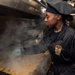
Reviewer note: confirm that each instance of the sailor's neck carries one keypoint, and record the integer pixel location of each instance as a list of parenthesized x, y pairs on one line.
[(58, 27)]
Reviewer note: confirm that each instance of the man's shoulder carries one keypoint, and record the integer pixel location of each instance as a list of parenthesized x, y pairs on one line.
[(70, 31)]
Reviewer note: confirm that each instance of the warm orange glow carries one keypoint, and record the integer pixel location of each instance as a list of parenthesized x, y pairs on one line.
[(25, 65)]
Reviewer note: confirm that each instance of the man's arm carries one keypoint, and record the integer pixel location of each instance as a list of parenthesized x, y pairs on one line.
[(38, 48)]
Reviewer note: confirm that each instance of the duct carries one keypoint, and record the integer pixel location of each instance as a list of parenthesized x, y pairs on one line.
[(20, 8)]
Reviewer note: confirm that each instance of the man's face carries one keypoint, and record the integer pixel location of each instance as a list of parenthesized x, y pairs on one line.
[(51, 19)]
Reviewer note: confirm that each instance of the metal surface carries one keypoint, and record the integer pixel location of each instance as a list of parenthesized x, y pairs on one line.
[(20, 8)]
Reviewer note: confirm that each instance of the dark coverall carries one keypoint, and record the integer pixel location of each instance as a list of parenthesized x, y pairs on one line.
[(64, 64)]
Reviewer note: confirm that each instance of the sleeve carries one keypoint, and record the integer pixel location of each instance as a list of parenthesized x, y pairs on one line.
[(68, 54), (72, 50), (39, 48)]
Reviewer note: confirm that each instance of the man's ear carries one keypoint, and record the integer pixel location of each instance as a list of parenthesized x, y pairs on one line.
[(58, 16)]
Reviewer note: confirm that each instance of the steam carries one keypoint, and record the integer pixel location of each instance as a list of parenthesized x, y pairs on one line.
[(17, 34)]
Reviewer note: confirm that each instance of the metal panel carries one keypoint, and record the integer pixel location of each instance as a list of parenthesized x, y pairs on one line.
[(20, 8)]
